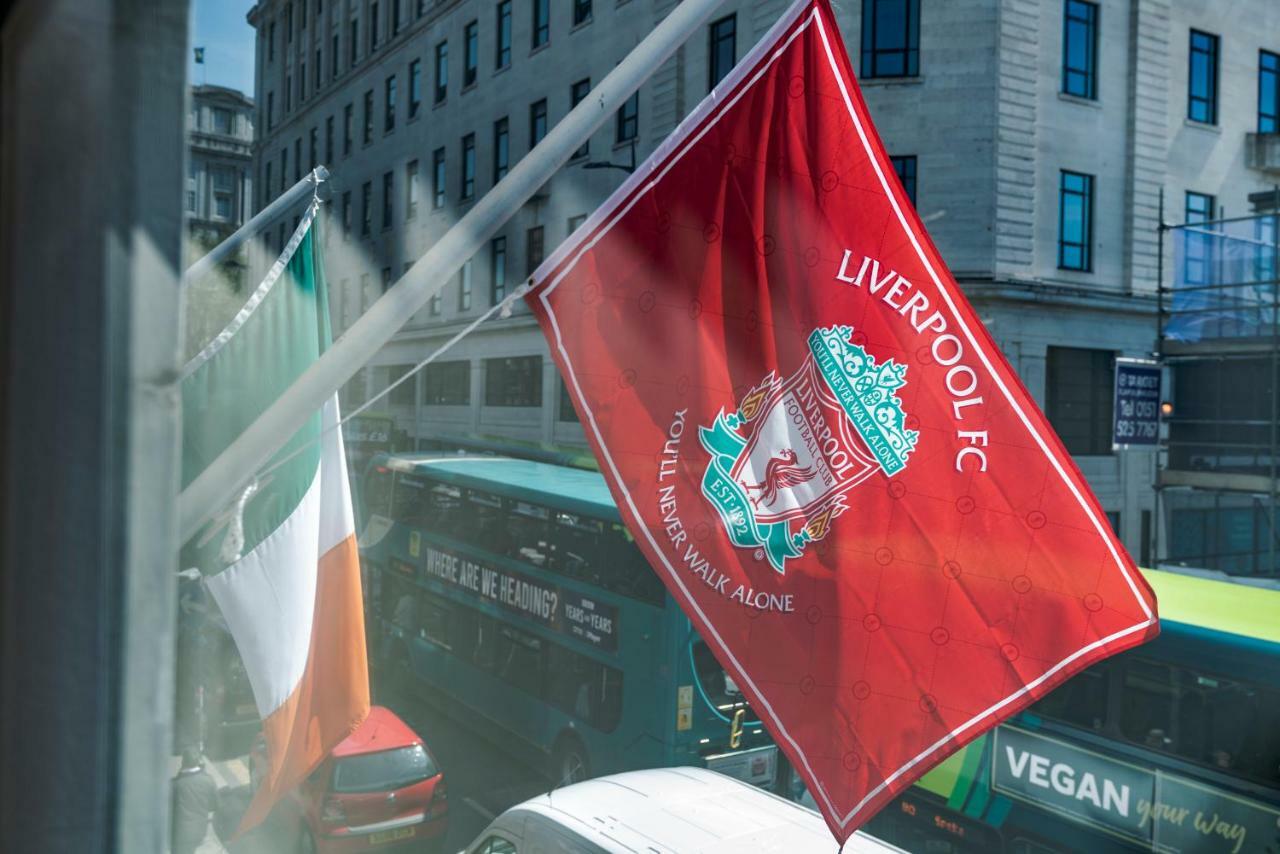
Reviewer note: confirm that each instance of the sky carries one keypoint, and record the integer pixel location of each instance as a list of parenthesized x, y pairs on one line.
[(219, 26)]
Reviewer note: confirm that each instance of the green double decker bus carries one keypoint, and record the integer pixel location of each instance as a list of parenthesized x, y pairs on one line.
[(513, 591)]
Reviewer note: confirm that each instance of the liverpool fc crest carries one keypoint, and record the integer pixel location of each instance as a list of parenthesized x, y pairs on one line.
[(782, 464)]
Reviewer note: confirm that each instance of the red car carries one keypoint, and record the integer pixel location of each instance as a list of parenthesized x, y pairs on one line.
[(380, 789)]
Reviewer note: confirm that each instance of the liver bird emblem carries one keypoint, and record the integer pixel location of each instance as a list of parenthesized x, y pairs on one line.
[(779, 473)]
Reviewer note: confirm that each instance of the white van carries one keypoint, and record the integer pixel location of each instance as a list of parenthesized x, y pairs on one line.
[(663, 811)]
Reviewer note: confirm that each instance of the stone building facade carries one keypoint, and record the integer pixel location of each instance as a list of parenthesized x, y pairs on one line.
[(1038, 138)]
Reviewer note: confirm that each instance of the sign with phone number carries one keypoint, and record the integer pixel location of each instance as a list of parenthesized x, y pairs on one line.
[(581, 617), (1137, 404)]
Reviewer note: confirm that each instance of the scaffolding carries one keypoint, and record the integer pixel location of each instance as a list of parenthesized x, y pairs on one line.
[(1219, 340)]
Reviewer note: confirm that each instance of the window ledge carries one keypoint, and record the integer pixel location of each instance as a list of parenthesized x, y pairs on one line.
[(1079, 100), (1204, 126), (470, 87), (873, 82), (502, 69), (540, 48), (581, 26)]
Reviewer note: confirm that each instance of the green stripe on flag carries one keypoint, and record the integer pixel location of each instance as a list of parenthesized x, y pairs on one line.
[(225, 394)]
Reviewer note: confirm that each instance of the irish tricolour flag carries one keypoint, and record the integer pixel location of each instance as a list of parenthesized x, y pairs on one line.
[(282, 561)]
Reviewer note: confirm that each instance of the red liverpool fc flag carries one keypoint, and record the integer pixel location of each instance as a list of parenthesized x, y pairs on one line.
[(816, 443)]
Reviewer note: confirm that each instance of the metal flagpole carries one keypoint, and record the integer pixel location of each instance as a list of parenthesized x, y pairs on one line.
[(290, 197), (218, 484)]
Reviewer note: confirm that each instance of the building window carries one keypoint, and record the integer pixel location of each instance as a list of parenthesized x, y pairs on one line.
[(284, 166), (354, 44), (346, 215), (389, 105), (433, 305), (497, 270), (581, 11), (319, 71), (567, 413), (333, 57), (302, 82), (388, 184), (437, 178), (328, 140), (502, 36), (537, 122), (464, 287), (415, 87), (288, 93), (533, 249), (1268, 92), (366, 208), (905, 166), (1202, 79), (541, 22), (575, 222), (373, 27), (288, 23), (890, 38), (297, 159), (405, 394), (191, 201), (223, 121), (271, 110), (722, 49), (302, 8), (348, 119), (468, 167), (271, 42), (1198, 245), (1080, 49), (501, 149), (442, 71), (447, 384), (513, 381), (313, 146), (1078, 398), (470, 53), (386, 279), (367, 137), (411, 190), (577, 92), (628, 122), (1075, 221), (266, 186), (395, 17)]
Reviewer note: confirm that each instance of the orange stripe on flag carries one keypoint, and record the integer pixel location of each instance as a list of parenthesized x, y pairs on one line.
[(332, 698)]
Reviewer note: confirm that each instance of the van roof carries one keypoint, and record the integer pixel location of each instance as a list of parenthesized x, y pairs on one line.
[(689, 810)]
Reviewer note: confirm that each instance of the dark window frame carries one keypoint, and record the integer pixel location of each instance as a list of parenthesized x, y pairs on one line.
[(721, 31), (1080, 82), (1203, 109), (1268, 114), (907, 57), (1079, 398), (1085, 245)]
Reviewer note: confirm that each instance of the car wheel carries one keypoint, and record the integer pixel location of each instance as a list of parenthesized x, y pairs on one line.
[(569, 763)]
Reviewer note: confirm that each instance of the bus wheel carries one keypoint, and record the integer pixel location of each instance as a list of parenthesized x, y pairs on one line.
[(569, 762)]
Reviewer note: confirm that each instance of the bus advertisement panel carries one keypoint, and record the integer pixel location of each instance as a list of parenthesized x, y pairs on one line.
[(513, 590)]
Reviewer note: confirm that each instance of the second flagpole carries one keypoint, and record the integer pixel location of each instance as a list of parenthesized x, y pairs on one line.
[(218, 484)]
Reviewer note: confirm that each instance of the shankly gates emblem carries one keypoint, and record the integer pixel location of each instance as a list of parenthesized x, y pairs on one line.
[(782, 464), (816, 444)]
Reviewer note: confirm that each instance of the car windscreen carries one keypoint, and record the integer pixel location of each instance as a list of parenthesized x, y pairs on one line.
[(389, 769)]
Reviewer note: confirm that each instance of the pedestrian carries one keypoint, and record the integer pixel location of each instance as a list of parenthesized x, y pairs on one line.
[(195, 797)]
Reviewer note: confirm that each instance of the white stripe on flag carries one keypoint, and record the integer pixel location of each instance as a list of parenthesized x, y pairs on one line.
[(268, 599)]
